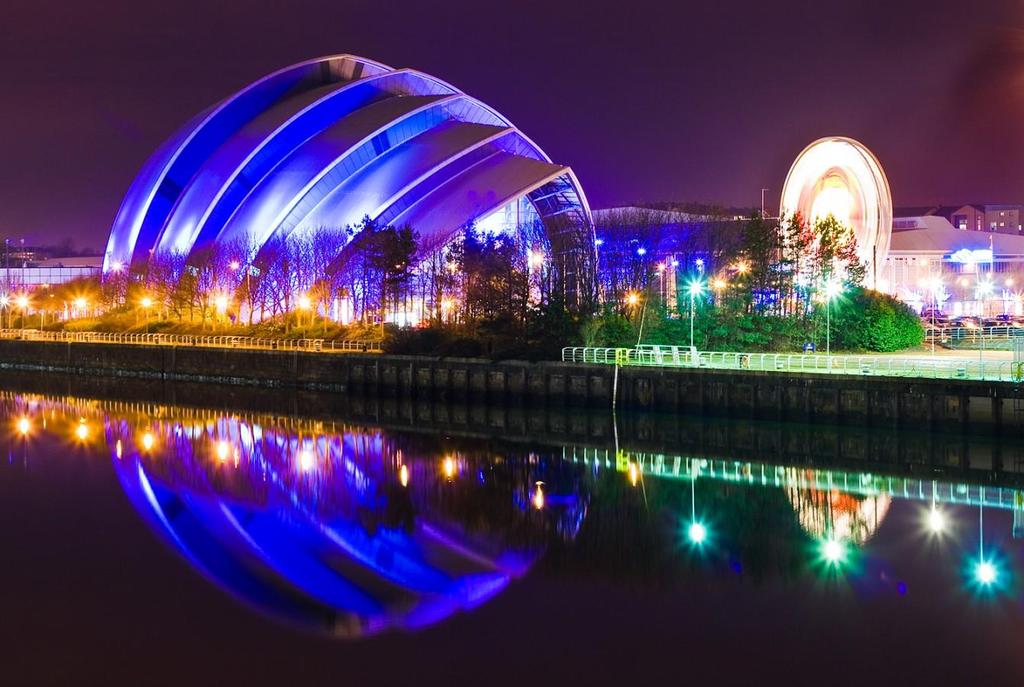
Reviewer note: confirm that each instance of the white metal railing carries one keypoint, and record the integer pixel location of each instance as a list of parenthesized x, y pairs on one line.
[(212, 341), (888, 366), (973, 334)]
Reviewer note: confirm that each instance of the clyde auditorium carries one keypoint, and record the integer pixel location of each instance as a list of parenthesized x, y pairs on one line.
[(327, 142)]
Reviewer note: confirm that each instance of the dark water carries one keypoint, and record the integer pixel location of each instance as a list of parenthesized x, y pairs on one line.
[(150, 536)]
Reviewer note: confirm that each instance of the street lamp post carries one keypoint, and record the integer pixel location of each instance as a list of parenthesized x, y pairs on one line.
[(936, 286), (22, 302), (147, 303), (832, 289), (695, 289)]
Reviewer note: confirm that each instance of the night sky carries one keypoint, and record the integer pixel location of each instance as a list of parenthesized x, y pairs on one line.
[(659, 101)]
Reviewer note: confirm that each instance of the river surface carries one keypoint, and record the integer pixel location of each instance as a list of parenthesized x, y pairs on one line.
[(152, 536)]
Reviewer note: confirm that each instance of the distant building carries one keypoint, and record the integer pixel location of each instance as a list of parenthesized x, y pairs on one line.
[(997, 218), (51, 272), (931, 263)]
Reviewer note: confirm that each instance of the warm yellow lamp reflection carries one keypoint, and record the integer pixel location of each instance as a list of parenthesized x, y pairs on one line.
[(538, 496), (223, 450), (634, 474), (448, 466), (307, 460)]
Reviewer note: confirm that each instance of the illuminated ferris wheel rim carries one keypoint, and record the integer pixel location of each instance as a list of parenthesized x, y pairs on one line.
[(833, 158)]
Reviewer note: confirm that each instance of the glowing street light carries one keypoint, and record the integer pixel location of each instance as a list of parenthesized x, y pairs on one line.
[(697, 533), (305, 304), (536, 259), (82, 430), (538, 496), (403, 475), (448, 307), (307, 460), (632, 298), (148, 441), (24, 426), (80, 303), (220, 301), (234, 266), (146, 302)]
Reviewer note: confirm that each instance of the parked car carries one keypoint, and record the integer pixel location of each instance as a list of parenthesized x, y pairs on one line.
[(965, 322)]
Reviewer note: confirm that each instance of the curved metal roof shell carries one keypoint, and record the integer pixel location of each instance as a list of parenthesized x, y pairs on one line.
[(324, 143)]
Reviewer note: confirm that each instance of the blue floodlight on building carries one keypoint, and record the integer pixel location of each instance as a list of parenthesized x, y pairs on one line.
[(327, 142)]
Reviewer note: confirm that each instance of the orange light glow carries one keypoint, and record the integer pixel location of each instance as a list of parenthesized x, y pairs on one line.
[(538, 496), (449, 467)]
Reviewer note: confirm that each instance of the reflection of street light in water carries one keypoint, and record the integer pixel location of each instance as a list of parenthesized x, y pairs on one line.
[(936, 518), (403, 475), (307, 460), (697, 532), (538, 496), (448, 467), (223, 450), (985, 571), (833, 551)]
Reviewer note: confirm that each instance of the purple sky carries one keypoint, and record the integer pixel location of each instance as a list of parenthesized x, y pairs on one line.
[(647, 101)]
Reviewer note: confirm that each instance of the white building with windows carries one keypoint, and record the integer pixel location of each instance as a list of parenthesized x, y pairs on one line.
[(931, 263)]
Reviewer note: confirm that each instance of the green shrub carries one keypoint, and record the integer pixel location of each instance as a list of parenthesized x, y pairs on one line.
[(865, 320)]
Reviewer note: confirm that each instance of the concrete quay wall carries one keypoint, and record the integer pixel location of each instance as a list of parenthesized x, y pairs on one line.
[(923, 404)]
